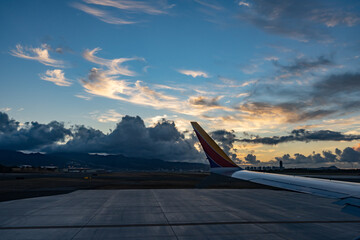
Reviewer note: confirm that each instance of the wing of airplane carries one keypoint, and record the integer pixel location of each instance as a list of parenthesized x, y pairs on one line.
[(347, 194)]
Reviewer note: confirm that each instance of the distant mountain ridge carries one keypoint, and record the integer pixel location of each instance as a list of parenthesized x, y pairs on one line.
[(110, 162)]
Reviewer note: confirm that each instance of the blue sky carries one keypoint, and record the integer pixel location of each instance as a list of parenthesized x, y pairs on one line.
[(260, 67)]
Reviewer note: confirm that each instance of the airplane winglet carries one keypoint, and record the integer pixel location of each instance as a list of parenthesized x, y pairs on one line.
[(215, 155)]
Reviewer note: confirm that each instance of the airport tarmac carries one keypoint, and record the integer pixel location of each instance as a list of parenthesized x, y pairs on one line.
[(177, 214)]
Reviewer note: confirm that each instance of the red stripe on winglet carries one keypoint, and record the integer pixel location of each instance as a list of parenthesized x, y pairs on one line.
[(214, 155)]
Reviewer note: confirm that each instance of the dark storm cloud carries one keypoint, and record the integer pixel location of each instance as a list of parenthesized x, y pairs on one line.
[(225, 140), (83, 139), (302, 135), (308, 20), (130, 137), (304, 65), (348, 155), (133, 139), (33, 135), (251, 159), (165, 131), (7, 125)]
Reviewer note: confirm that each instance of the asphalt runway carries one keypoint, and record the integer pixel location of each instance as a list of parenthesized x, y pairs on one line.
[(177, 214)]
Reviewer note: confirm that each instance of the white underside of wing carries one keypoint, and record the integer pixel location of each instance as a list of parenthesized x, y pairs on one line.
[(320, 187), (347, 193)]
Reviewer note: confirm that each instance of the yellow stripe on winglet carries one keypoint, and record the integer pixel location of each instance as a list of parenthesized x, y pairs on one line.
[(211, 142)]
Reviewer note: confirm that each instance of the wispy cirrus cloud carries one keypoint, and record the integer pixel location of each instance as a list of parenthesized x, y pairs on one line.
[(162, 86), (205, 101), (5, 109), (101, 14), (334, 17), (83, 97), (114, 66), (56, 76), (124, 7), (243, 3), (194, 73), (204, 104), (251, 68), (210, 4), (101, 84), (108, 82), (149, 7), (288, 112), (303, 65), (232, 83), (40, 54), (109, 116)]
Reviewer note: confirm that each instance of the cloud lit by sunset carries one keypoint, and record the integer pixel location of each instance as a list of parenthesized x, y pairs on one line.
[(269, 80)]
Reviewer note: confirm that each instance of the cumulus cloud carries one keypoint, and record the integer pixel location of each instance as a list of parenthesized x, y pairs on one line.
[(163, 141), (56, 76), (40, 54), (226, 140), (193, 73), (31, 136), (251, 159), (7, 125), (130, 137), (357, 148), (348, 155)]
